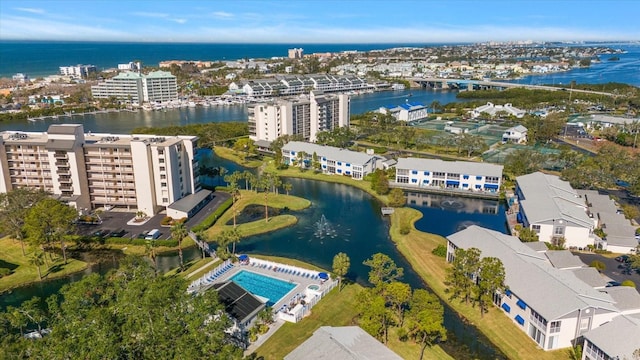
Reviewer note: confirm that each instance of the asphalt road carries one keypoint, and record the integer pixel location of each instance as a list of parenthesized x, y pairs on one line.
[(116, 220), (612, 270)]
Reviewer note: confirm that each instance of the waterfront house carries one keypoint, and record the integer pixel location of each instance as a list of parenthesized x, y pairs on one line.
[(435, 173), (552, 305), (332, 160), (554, 210), (516, 135)]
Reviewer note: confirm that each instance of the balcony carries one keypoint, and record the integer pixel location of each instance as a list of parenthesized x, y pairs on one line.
[(61, 156)]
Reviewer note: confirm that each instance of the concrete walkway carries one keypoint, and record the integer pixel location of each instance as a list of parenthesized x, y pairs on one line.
[(262, 338)]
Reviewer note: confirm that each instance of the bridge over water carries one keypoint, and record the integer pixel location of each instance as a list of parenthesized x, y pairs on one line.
[(467, 84)]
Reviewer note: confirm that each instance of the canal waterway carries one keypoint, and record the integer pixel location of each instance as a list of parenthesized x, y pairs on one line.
[(125, 121)]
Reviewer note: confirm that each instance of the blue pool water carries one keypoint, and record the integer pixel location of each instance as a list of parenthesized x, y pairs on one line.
[(261, 285)]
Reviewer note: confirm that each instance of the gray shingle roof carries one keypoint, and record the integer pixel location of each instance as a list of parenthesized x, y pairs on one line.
[(341, 343), (620, 337), (619, 230), (590, 276), (562, 259), (330, 152), (190, 201), (460, 167), (626, 297), (527, 272), (546, 198)]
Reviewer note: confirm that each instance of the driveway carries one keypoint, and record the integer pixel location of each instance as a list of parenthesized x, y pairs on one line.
[(612, 270), (116, 220)]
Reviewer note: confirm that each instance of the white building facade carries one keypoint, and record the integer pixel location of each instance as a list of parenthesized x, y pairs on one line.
[(332, 160), (301, 116), (78, 71), (516, 134), (554, 210), (465, 175), (406, 112), (553, 306), (136, 88), (135, 172)]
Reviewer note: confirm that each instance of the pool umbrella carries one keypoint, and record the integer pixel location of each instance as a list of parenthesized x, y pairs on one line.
[(323, 276), (243, 257)]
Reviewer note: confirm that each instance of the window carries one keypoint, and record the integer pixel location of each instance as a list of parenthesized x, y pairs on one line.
[(414, 172), (558, 230), (163, 177), (160, 152), (165, 200), (536, 228), (465, 177), (555, 327), (162, 168), (522, 304), (553, 341), (164, 184), (478, 177), (161, 161), (339, 163), (536, 335), (506, 307), (403, 179), (584, 323), (426, 173)]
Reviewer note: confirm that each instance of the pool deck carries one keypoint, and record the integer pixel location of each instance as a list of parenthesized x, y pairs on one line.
[(272, 269)]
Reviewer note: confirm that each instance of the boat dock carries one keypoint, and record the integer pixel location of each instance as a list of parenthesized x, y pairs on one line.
[(71, 114), (387, 210)]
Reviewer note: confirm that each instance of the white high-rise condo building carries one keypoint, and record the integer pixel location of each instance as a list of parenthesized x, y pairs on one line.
[(301, 116), (136, 172), (78, 71), (136, 88)]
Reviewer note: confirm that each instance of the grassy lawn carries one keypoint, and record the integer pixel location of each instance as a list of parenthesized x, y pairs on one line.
[(279, 201), (230, 154), (195, 268), (25, 273), (129, 249), (499, 329), (335, 309)]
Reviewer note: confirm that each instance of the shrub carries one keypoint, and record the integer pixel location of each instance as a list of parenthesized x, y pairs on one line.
[(167, 220), (115, 240), (4, 272), (628, 283), (405, 228), (167, 243), (598, 265), (211, 219), (440, 251)]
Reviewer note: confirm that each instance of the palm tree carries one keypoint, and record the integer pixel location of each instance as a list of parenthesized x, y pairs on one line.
[(341, 264), (150, 251), (178, 232), (264, 184), (232, 181), (234, 236), (37, 260), (287, 187)]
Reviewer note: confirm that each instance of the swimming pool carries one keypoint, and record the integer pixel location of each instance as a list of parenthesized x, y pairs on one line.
[(264, 286)]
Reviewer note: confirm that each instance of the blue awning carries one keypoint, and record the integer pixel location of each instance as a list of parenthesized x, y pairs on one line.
[(519, 217), (506, 307), (491, 186), (508, 292), (521, 304), (453, 182), (519, 319)]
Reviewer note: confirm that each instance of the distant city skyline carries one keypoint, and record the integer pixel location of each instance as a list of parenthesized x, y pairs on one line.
[(328, 21)]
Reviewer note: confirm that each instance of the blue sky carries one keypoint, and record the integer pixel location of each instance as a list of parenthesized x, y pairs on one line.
[(327, 21)]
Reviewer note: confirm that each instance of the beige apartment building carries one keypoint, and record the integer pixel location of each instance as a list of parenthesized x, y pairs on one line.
[(134, 172), (304, 116)]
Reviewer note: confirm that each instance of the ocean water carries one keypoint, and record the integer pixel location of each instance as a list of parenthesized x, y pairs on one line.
[(38, 58)]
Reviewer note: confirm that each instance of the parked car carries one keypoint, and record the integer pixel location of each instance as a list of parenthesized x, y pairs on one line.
[(101, 233), (153, 234), (117, 233), (142, 235), (622, 258), (613, 283)]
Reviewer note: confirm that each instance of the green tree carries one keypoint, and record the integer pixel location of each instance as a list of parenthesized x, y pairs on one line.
[(315, 162), (374, 317), (14, 207), (490, 280), (425, 319), (132, 314), (397, 295), (234, 190), (379, 182), (598, 265), (37, 260), (49, 220), (523, 161), (287, 187), (396, 198), (179, 232), (461, 276), (527, 235), (383, 270), (341, 265), (629, 283), (471, 143)]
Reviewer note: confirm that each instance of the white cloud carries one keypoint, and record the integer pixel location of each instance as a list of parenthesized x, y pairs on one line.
[(179, 21), (31, 10), (222, 15), (150, 14), (25, 28)]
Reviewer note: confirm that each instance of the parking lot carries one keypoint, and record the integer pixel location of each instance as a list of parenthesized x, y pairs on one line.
[(118, 220), (612, 270)]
